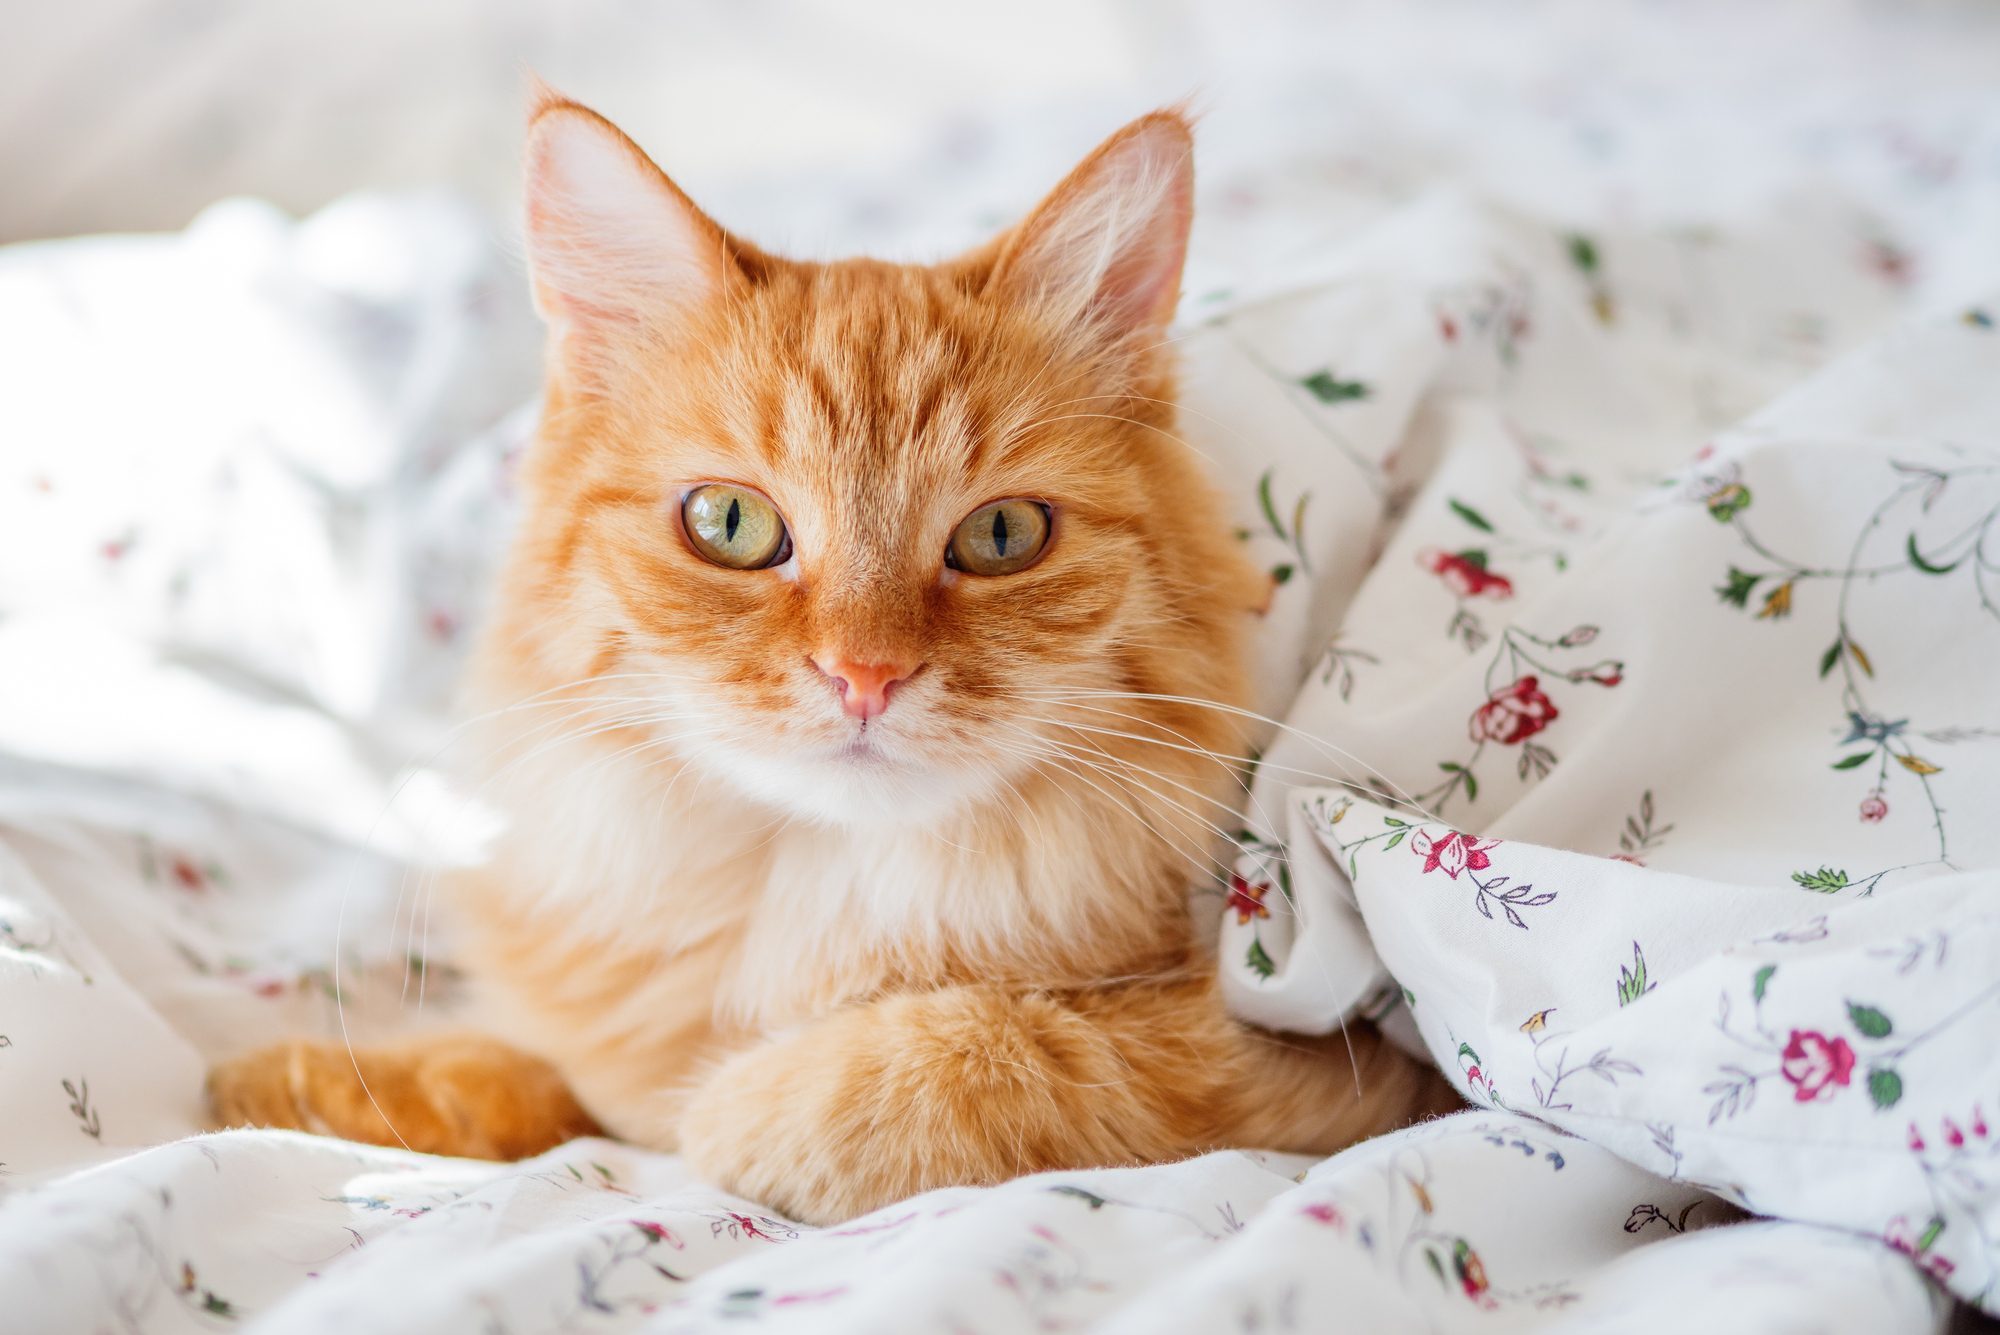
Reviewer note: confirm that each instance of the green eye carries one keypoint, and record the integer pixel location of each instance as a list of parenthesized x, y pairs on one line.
[(735, 527), (1000, 538)]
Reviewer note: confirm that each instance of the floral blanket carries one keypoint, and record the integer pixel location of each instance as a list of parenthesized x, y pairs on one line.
[(1653, 788), (1636, 558)]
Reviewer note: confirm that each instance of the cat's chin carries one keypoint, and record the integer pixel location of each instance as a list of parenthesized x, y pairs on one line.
[(859, 784)]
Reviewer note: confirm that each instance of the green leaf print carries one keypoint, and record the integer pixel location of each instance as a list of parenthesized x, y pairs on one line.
[(1329, 388), (1583, 252), (1259, 961), (1761, 981), (1885, 1087), (1269, 507), (1737, 591), (1632, 983), (1826, 880), (1869, 1020), (1860, 758), (1470, 515), (1917, 559)]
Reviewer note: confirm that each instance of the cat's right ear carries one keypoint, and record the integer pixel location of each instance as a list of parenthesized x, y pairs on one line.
[(613, 245)]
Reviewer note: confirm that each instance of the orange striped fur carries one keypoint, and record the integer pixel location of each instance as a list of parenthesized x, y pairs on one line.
[(832, 962)]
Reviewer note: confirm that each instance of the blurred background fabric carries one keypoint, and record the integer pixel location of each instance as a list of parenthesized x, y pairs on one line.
[(804, 121)]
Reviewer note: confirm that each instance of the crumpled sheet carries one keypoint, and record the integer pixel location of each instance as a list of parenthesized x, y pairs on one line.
[(1603, 547), (1653, 787)]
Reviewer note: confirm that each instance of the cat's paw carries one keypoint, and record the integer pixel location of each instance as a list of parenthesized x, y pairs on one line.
[(960, 1087), (264, 1088), (460, 1095), (765, 1129)]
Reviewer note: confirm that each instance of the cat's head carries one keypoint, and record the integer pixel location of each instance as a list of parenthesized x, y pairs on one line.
[(855, 536)]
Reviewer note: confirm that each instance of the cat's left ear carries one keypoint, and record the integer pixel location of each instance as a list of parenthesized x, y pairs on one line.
[(1104, 251)]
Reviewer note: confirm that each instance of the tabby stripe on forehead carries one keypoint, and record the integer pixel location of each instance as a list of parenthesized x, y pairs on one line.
[(1000, 532), (734, 518)]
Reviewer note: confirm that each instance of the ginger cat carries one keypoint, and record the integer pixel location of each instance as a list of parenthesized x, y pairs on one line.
[(862, 692)]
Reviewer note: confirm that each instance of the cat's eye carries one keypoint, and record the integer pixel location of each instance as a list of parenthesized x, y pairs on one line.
[(735, 527), (1000, 538)]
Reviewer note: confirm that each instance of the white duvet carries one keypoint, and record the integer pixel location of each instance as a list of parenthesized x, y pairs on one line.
[(1637, 638)]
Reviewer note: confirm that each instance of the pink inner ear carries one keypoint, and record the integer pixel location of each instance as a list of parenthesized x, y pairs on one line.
[(1139, 288), (609, 237), (1108, 246)]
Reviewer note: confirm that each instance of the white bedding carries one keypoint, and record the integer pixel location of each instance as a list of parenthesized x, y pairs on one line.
[(252, 475)]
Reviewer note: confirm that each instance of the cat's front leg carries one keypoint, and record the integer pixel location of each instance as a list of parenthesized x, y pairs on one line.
[(882, 1100), (975, 1085)]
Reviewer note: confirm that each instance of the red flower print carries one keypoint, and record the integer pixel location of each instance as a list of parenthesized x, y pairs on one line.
[(1471, 1272), (1608, 673), (656, 1232), (816, 1296), (1513, 714), (1454, 853), (1815, 1064), (1247, 899), (1326, 1212), (188, 875), (1917, 1247), (1891, 262), (1874, 807), (885, 1226), (1978, 1123), (1952, 1134), (749, 1226), (1465, 573)]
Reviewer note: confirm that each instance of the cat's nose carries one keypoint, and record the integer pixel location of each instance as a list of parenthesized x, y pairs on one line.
[(864, 687)]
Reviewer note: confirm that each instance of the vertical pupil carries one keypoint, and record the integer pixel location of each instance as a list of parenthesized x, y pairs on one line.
[(732, 520), (1000, 532)]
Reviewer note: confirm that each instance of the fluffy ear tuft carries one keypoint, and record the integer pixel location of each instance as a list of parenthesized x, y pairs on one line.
[(611, 241), (1105, 249)]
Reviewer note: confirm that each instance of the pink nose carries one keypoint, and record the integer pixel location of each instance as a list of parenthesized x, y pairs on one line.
[(864, 687)]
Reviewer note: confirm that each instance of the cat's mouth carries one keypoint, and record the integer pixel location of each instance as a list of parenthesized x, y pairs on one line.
[(859, 775), (861, 749)]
